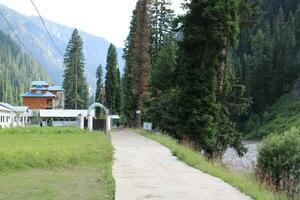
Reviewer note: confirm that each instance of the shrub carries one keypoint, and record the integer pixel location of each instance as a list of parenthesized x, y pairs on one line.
[(279, 161)]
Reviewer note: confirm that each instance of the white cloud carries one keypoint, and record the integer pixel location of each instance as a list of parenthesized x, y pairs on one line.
[(107, 18)]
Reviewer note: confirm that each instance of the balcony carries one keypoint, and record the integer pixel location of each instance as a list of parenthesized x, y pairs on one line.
[(49, 104)]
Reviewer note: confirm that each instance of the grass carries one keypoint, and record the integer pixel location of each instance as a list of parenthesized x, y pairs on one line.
[(55, 163), (246, 183), (280, 117)]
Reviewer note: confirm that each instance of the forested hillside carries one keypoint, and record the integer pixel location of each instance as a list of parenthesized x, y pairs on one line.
[(268, 57), (32, 32), (17, 70)]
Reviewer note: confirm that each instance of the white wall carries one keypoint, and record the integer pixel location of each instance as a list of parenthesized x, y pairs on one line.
[(5, 119), (9, 119)]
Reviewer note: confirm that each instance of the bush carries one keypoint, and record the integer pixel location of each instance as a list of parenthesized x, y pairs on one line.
[(279, 161)]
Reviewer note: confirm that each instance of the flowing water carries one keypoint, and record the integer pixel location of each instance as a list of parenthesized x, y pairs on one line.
[(247, 162)]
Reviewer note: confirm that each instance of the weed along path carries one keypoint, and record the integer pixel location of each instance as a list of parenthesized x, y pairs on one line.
[(144, 169)]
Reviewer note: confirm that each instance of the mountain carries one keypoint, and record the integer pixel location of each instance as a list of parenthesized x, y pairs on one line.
[(33, 34), (17, 70)]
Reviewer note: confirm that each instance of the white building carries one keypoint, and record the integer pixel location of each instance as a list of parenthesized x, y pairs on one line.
[(61, 117), (12, 116)]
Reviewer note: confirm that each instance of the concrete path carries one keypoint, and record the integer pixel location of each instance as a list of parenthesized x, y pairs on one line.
[(144, 169)]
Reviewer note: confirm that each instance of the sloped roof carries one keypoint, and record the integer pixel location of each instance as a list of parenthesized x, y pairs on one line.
[(64, 113), (36, 83), (55, 88), (38, 87), (30, 94), (17, 109), (2, 108)]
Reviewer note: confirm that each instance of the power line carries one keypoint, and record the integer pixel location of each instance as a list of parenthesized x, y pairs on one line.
[(17, 37), (47, 29)]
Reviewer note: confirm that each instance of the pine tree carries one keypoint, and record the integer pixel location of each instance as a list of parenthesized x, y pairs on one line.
[(111, 80), (74, 83), (140, 58), (100, 91), (203, 113), (161, 19), (297, 29), (128, 79), (119, 94), (163, 93)]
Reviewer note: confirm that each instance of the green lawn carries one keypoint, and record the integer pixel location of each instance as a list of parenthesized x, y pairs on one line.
[(246, 183), (55, 163)]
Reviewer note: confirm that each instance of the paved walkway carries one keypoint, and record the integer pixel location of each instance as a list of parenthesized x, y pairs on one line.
[(144, 169)]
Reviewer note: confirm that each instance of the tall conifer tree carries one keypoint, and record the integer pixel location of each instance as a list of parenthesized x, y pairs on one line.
[(128, 79), (111, 80), (100, 90), (74, 83), (161, 19), (203, 115), (141, 57), (119, 94)]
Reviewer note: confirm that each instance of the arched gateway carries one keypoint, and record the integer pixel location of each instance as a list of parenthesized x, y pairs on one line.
[(90, 117)]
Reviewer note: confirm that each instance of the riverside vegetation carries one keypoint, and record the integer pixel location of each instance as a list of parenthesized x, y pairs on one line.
[(55, 163)]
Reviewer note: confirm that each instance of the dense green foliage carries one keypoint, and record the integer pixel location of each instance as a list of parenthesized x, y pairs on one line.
[(245, 183), (267, 60), (200, 84), (138, 64), (281, 116), (112, 83), (163, 95), (204, 77), (52, 150), (161, 19), (100, 91), (119, 94), (279, 161), (128, 79), (17, 71), (74, 84)]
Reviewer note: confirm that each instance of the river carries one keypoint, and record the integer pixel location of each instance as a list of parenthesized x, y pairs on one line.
[(247, 162)]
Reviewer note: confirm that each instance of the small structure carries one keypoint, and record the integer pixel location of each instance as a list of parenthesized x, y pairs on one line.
[(12, 116), (115, 120), (44, 96), (90, 117)]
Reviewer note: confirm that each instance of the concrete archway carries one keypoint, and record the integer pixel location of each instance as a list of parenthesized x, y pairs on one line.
[(90, 117)]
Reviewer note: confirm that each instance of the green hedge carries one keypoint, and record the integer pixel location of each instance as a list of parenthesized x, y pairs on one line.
[(279, 161)]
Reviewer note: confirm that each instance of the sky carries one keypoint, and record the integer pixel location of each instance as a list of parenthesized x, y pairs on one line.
[(106, 18)]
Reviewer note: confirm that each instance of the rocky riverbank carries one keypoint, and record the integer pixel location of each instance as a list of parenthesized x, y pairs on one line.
[(247, 162)]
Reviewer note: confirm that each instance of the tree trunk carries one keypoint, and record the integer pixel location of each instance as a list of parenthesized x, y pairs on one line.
[(222, 68), (138, 119)]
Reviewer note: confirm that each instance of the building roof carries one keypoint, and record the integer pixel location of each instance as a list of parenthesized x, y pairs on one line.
[(64, 113), (36, 83), (4, 109), (38, 87), (18, 109), (30, 94), (55, 88)]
